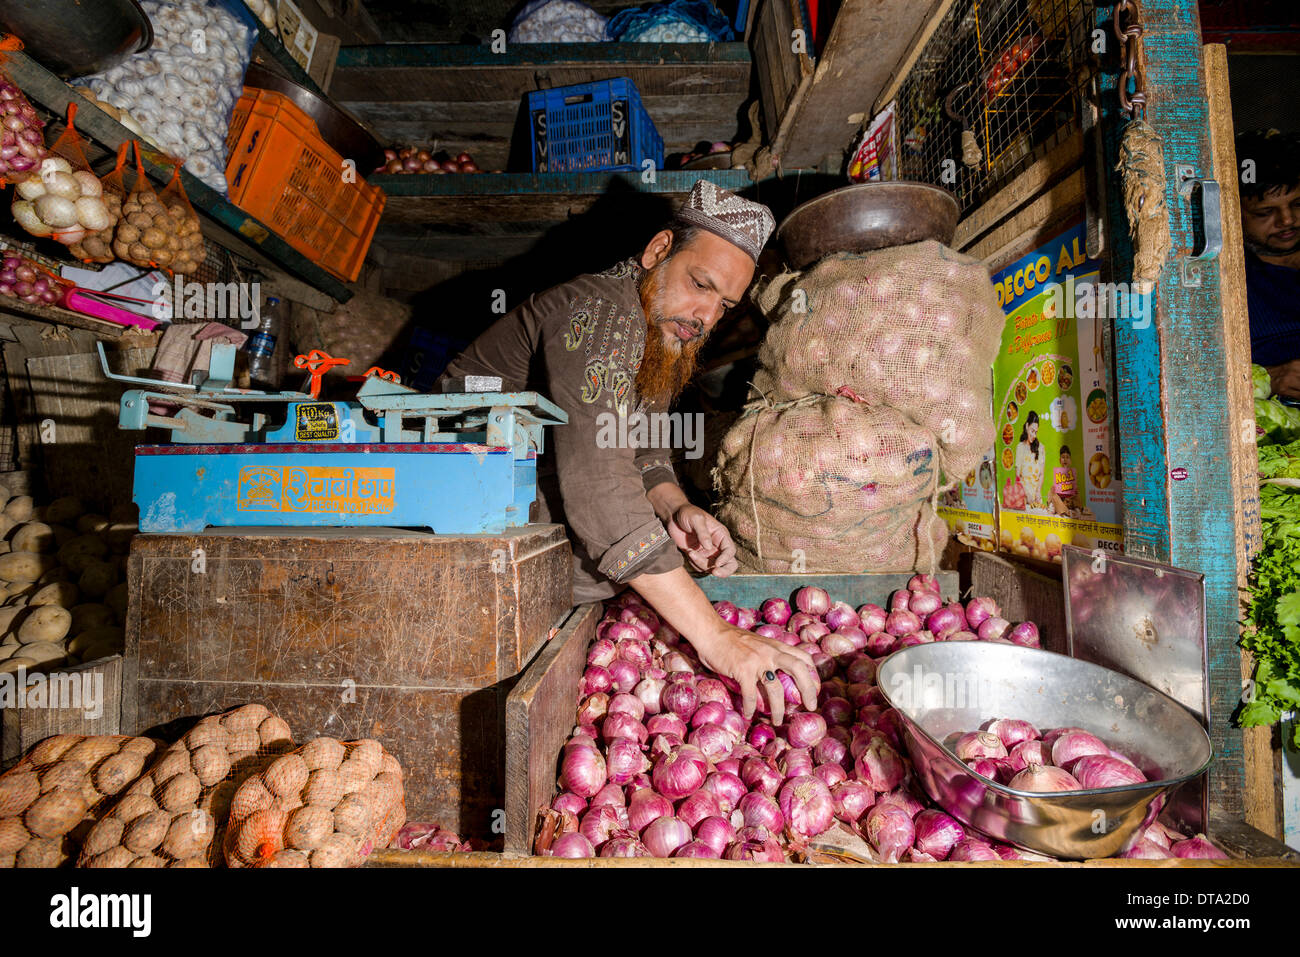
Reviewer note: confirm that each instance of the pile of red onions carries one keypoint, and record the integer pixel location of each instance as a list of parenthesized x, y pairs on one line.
[(428, 836), (1015, 753), (22, 142), (22, 280), (662, 764), (411, 159)]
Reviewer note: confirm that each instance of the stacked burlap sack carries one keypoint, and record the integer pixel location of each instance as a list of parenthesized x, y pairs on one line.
[(874, 386)]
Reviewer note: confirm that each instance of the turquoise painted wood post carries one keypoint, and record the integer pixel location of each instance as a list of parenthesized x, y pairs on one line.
[(1171, 376)]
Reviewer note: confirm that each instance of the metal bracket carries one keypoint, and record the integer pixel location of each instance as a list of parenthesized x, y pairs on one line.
[(1203, 194)]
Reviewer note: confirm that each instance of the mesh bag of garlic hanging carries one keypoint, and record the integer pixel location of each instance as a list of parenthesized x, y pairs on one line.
[(52, 798), (173, 814), (329, 804), (912, 328), (827, 484), (182, 89)]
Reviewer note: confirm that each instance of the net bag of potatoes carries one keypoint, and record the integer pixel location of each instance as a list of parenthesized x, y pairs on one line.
[(189, 257), (826, 484), (173, 815), (62, 198), (146, 235), (913, 328), (52, 798), (329, 804)]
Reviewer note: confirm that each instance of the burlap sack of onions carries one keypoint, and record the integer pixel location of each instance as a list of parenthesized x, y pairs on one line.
[(172, 816), (328, 804), (51, 799)]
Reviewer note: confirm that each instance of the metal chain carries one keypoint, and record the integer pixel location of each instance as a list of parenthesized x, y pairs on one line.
[(1128, 29)]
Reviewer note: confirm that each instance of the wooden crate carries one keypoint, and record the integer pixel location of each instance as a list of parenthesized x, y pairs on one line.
[(410, 638), (20, 728)]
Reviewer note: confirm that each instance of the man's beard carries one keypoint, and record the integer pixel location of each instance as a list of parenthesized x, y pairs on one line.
[(665, 368), (1267, 249)]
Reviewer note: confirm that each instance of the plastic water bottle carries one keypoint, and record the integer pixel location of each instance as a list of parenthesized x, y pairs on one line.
[(268, 349)]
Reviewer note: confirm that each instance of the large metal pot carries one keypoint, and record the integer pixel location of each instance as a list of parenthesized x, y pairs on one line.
[(348, 136), (77, 37)]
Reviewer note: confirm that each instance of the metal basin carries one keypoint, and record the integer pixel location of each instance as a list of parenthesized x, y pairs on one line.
[(867, 216), (947, 687), (337, 128), (76, 38)]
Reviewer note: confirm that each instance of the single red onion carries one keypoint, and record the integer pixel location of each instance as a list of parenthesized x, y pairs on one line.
[(623, 725), (937, 833), (600, 822), (890, 724), (1024, 634), (760, 734), (713, 740), (680, 773), (824, 663), (799, 620), (1147, 851), (761, 776), (1012, 731), (649, 692), (678, 663), (1157, 833), (734, 722), (1121, 757), (727, 788), (583, 771), (901, 623), (726, 611), (837, 711), (619, 632), (746, 618), (979, 744), (568, 801), (900, 600), (880, 643), (624, 675), (760, 810), (830, 773), (1197, 847), (1045, 779), (1076, 744), (852, 800), (830, 751), (709, 712), (924, 603), (593, 708), (921, 582), (611, 794), (840, 614), (680, 698), (861, 670), (584, 736), (696, 849), (716, 833), (790, 638), (863, 736), (768, 851), (572, 846), (596, 679), (1051, 734), (854, 634), (1103, 771), (957, 609), (880, 767), (991, 628), (625, 760), (791, 689), (695, 808), (731, 763), (943, 622), (646, 806), (665, 835), (973, 849), (813, 633), (624, 845), (795, 762), (872, 618), (962, 636), (985, 766), (774, 748), (904, 799), (812, 600), (637, 652), (890, 831), (665, 743), (978, 610), (912, 640), (667, 723), (770, 631), (913, 856), (601, 653), (807, 806), (775, 611), (624, 703), (804, 729)]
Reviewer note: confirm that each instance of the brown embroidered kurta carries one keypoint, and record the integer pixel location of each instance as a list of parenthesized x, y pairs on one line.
[(580, 344)]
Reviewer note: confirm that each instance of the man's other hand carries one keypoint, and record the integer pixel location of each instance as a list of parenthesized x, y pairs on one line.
[(705, 541)]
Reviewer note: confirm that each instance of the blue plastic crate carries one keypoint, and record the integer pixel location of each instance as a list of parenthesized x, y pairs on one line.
[(590, 127)]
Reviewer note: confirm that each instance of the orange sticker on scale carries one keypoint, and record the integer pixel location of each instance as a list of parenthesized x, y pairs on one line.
[(311, 488)]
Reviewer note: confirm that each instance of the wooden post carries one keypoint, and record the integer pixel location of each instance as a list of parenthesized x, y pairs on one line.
[(1178, 379)]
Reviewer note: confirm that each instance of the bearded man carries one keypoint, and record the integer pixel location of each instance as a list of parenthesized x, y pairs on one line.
[(1270, 222), (621, 343)]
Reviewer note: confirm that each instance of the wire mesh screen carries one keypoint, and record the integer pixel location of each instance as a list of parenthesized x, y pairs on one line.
[(996, 86)]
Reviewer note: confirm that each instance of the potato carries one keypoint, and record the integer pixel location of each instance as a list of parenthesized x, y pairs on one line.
[(24, 566), (63, 773), (189, 834), (390, 765), (287, 776), (13, 835), (14, 591), (11, 665), (8, 651), (64, 510), (110, 635), (337, 850), (8, 860), (307, 827), (19, 508), (207, 731), (141, 745), (91, 524), (133, 806), (175, 761), (117, 602), (55, 813), (46, 654), (323, 753), (117, 772), (97, 578), (105, 834), (190, 862), (245, 741), (245, 718), (146, 832), (89, 615), (33, 537), (388, 787), (259, 835), (77, 553), (274, 730), (148, 860), (181, 791), (352, 816), (354, 775), (218, 799), (54, 575), (113, 857), (251, 796), (287, 858), (51, 749), (324, 789), (46, 623), (41, 853), (211, 763), (93, 749)]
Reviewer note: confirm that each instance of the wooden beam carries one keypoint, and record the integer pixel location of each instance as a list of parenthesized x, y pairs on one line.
[(1033, 224), (909, 58)]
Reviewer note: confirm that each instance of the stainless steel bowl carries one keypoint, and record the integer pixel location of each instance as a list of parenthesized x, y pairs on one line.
[(946, 687), (73, 38)]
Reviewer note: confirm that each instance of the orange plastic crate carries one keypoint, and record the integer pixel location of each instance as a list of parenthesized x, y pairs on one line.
[(281, 171)]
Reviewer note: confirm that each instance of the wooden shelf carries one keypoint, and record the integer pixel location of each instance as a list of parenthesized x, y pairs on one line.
[(465, 97), (60, 316), (223, 222)]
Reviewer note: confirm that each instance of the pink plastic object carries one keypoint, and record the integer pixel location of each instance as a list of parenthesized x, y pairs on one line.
[(89, 306)]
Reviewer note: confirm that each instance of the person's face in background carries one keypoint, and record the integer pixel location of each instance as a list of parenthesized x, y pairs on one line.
[(1271, 222), (1065, 460), (1031, 430)]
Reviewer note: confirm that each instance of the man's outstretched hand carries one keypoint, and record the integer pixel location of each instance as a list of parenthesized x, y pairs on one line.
[(705, 541)]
